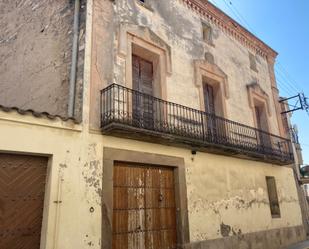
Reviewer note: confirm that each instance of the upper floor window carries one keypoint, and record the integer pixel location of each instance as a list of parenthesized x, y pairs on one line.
[(263, 137), (252, 60), (209, 98), (207, 33)]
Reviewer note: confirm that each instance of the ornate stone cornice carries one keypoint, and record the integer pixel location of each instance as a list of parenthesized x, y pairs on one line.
[(214, 15)]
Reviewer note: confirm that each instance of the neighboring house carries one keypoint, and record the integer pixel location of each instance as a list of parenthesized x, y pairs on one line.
[(168, 134)]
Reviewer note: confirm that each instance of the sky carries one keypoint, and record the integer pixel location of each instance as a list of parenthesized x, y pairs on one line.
[(284, 26)]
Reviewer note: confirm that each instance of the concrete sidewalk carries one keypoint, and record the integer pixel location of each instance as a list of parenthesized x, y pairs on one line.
[(302, 245)]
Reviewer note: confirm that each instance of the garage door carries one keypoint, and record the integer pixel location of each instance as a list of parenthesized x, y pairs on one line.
[(22, 185), (144, 211)]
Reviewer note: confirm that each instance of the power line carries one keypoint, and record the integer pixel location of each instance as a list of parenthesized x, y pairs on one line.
[(236, 13), (241, 17), (282, 82), (287, 81), (283, 88), (288, 75), (290, 82)]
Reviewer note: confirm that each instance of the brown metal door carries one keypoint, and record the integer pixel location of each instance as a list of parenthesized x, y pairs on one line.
[(143, 108), (22, 185), (144, 211)]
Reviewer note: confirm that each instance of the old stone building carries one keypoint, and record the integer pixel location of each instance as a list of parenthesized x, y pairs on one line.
[(140, 124)]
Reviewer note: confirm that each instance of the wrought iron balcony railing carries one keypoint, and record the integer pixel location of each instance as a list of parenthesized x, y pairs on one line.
[(129, 110)]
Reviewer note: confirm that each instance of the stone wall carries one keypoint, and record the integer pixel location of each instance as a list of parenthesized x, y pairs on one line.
[(35, 55)]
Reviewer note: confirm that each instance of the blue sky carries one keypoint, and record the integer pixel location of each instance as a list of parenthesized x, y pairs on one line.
[(284, 26)]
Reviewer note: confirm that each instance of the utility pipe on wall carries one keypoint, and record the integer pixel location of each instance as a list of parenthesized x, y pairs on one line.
[(72, 85)]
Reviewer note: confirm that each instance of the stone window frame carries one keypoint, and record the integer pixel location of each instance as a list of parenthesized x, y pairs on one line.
[(258, 97), (142, 42), (112, 155), (217, 79), (207, 33)]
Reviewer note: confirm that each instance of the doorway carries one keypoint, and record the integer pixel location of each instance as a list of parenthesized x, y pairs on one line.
[(144, 207), (142, 97)]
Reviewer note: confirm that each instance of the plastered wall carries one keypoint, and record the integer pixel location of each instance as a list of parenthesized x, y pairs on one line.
[(35, 55), (181, 29), (226, 196)]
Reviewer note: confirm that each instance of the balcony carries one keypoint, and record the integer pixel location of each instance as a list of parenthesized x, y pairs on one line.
[(132, 114)]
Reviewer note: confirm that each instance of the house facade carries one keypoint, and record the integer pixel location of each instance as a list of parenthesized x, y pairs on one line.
[(176, 139)]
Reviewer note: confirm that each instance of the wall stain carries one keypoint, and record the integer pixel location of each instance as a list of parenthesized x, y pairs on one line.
[(63, 165), (225, 230)]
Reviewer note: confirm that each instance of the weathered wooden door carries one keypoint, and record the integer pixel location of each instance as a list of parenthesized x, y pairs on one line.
[(262, 137), (22, 186), (143, 107), (144, 211)]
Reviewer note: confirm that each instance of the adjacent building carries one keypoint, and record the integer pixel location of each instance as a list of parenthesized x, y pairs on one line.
[(141, 125)]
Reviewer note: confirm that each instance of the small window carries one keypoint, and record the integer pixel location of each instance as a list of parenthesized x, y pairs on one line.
[(273, 197), (253, 65), (207, 33)]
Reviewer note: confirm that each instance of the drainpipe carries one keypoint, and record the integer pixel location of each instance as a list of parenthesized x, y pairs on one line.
[(74, 60)]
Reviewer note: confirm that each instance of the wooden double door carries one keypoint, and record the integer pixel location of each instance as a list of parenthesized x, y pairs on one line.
[(144, 210), (22, 187)]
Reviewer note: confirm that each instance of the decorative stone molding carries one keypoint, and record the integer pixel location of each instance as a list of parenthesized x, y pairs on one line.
[(203, 67), (275, 96), (256, 93), (143, 42), (145, 34), (112, 155), (214, 76), (214, 15)]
